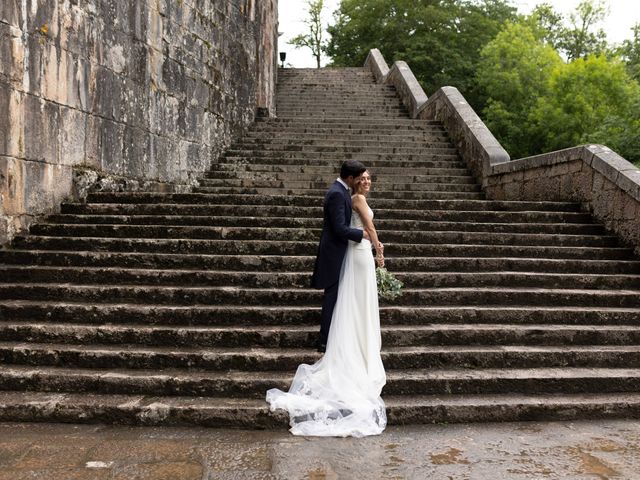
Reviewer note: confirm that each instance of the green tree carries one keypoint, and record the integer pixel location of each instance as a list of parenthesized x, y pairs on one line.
[(580, 39), (513, 69), (590, 100), (549, 24), (314, 39), (630, 52), (440, 39)]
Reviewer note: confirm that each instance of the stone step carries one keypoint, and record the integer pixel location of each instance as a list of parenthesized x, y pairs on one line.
[(411, 191), (386, 112), (285, 137), (226, 295), (431, 192), (311, 181), (24, 406), (440, 194), (239, 170), (337, 154), (288, 200), (300, 212), (293, 336), (302, 78), (125, 409), (188, 233), (439, 161), (302, 82), (292, 222), (339, 85), (255, 384), (181, 316), (317, 100), (282, 247), (319, 108), (345, 140), (355, 97), (392, 124), (244, 262), (297, 77), (316, 104), (260, 279), (124, 356), (346, 130), (346, 146)]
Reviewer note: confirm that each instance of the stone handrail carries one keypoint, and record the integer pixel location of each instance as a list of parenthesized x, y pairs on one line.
[(594, 175), (476, 144), (401, 77), (375, 62)]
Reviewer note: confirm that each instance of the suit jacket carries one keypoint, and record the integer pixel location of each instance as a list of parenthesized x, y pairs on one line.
[(335, 237)]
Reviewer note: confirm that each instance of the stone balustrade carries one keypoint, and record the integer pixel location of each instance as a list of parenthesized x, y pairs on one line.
[(594, 175)]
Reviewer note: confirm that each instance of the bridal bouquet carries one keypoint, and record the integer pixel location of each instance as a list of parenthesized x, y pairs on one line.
[(389, 287)]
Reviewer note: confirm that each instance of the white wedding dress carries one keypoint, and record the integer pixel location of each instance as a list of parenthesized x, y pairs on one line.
[(339, 395)]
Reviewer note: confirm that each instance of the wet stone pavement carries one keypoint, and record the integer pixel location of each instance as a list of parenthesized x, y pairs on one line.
[(563, 450)]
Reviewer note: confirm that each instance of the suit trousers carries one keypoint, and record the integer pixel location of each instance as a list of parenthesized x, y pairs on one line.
[(328, 304)]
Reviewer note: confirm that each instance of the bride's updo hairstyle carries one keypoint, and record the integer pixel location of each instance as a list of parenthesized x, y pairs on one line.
[(352, 168)]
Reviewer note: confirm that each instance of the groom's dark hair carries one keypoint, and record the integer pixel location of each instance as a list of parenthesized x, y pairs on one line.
[(352, 168)]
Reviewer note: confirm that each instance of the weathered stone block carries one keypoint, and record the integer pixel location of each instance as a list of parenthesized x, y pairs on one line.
[(42, 130), (558, 169), (11, 12), (629, 181), (107, 99), (12, 51), (73, 132), (112, 147), (610, 164), (512, 190), (5, 120)]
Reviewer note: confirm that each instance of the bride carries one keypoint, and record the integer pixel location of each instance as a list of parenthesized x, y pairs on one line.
[(339, 395)]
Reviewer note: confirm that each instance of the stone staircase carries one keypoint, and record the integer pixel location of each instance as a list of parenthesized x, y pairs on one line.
[(150, 308)]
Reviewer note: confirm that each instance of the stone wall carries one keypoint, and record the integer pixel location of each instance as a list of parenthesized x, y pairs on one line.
[(594, 175), (124, 94)]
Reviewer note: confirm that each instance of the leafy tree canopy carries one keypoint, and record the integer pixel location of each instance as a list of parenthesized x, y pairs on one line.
[(590, 100), (440, 39), (630, 52), (514, 69)]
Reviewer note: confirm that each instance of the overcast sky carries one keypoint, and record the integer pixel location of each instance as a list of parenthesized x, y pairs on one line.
[(623, 15)]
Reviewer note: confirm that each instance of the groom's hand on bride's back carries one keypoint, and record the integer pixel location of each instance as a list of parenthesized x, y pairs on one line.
[(365, 235)]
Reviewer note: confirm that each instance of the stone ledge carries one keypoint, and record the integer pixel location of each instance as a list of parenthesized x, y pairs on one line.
[(600, 158), (375, 62), (476, 144), (401, 77)]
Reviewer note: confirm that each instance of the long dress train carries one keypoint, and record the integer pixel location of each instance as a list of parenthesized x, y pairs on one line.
[(339, 395)]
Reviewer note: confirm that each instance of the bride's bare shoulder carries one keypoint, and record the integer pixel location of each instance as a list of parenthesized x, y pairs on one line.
[(359, 198)]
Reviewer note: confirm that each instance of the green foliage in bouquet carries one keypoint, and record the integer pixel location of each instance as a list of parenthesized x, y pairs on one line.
[(389, 287)]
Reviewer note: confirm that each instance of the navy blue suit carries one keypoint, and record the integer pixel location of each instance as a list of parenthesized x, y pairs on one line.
[(334, 240)]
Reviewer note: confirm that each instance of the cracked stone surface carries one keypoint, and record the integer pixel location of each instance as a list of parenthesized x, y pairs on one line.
[(514, 451)]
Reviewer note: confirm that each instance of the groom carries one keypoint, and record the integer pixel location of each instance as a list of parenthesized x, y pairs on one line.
[(335, 237)]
